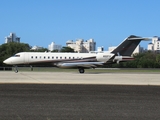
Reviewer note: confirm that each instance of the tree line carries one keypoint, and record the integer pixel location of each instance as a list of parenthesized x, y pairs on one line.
[(9, 49), (142, 60)]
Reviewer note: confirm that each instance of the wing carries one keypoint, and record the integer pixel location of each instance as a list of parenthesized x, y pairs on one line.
[(80, 64)]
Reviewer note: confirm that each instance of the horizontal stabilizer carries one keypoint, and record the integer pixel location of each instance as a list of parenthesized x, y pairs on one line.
[(146, 39)]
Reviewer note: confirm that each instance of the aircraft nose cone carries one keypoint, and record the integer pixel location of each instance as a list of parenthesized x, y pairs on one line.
[(7, 61)]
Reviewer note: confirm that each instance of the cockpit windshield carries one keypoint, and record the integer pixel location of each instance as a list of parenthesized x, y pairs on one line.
[(16, 55)]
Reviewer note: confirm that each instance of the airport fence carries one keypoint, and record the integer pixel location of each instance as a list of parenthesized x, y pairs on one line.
[(20, 68), (5, 68)]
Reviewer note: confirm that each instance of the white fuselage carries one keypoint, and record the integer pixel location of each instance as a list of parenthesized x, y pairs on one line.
[(65, 60), (38, 57)]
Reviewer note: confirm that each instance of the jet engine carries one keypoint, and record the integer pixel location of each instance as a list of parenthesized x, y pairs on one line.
[(118, 59)]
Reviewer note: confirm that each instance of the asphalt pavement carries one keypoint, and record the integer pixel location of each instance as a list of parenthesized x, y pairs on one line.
[(79, 102)]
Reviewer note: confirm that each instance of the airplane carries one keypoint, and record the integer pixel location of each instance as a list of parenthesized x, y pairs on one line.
[(81, 61)]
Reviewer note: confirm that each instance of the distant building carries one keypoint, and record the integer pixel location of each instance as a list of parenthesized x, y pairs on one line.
[(82, 47), (53, 46), (36, 48), (150, 47), (12, 38), (112, 48), (155, 45), (100, 49), (138, 49)]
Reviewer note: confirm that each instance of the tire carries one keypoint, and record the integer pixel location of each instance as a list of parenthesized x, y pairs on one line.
[(16, 71), (81, 70)]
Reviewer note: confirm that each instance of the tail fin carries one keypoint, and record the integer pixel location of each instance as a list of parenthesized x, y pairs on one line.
[(127, 47)]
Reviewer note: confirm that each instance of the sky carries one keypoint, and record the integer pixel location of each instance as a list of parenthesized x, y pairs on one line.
[(108, 22)]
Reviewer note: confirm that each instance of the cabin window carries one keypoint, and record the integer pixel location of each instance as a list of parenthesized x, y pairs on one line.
[(52, 57), (44, 57), (40, 57), (48, 57), (60, 57), (64, 57), (73, 57), (56, 57), (36, 57), (32, 57), (69, 57)]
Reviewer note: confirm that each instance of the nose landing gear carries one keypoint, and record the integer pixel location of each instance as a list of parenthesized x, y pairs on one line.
[(15, 69)]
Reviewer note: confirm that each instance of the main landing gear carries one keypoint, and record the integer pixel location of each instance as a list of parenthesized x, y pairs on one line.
[(31, 67), (81, 70), (15, 69)]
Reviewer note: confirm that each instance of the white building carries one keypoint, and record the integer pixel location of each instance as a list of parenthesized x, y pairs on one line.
[(138, 49), (150, 47), (53, 46), (112, 48), (36, 48), (155, 45), (82, 47), (100, 49), (12, 38)]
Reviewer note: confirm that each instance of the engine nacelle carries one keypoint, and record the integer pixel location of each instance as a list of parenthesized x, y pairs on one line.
[(122, 58)]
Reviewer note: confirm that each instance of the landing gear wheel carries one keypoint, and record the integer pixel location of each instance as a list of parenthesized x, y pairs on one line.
[(16, 71), (81, 70)]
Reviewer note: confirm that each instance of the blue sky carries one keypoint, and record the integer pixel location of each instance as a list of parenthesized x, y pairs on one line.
[(108, 22)]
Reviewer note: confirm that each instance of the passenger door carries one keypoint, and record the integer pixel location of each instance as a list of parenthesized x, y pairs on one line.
[(26, 58)]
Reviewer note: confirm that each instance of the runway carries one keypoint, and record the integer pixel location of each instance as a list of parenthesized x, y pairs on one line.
[(79, 102), (74, 96), (76, 78)]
